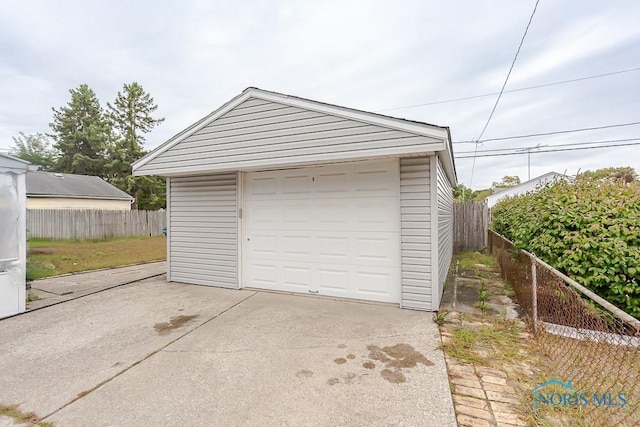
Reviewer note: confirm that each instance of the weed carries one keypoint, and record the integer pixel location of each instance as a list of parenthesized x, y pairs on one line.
[(470, 260), (440, 317), (482, 305), (22, 417), (32, 296)]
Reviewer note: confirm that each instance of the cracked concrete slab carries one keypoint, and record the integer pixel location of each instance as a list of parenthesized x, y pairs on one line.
[(269, 359)]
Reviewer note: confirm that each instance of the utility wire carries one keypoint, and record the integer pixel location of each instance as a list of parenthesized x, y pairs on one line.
[(524, 149), (551, 150), (629, 70), (531, 135), (493, 110)]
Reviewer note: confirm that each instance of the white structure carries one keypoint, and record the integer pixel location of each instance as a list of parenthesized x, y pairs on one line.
[(282, 193), (524, 188), (13, 237)]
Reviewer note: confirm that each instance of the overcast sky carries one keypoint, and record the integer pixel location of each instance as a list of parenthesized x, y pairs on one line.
[(193, 56)]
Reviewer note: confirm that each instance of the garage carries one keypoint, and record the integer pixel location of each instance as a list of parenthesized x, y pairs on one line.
[(281, 193), (329, 230)]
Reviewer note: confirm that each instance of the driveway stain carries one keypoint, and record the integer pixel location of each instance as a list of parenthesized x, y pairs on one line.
[(369, 365), (175, 322), (395, 358), (340, 361), (304, 373), (351, 356), (333, 381)]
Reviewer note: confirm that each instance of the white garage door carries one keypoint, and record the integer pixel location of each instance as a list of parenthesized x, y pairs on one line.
[(331, 230)]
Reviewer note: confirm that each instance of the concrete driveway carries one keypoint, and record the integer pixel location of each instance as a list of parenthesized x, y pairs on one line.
[(158, 353)]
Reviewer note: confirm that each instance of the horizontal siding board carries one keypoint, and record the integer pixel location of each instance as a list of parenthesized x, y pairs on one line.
[(415, 232), (445, 226), (203, 230), (255, 134)]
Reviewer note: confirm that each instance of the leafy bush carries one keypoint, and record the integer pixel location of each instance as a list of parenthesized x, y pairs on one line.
[(588, 228)]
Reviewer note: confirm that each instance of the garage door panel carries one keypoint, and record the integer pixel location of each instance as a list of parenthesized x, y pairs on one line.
[(330, 230)]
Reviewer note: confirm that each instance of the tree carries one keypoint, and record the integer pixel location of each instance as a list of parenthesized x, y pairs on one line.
[(81, 134), (35, 149), (131, 117), (480, 195), (622, 173), (462, 194), (506, 182)]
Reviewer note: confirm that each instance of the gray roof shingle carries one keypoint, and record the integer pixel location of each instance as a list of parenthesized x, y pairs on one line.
[(50, 184)]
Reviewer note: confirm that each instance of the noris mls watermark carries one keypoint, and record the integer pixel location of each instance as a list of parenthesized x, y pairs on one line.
[(556, 393)]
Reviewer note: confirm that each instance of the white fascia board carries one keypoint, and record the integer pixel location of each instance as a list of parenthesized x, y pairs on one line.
[(245, 166), (431, 131)]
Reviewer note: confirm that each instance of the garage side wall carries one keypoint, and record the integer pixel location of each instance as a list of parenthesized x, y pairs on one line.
[(445, 227), (203, 230), (415, 236)]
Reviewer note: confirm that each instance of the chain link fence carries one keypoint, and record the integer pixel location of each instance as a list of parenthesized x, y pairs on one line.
[(590, 348)]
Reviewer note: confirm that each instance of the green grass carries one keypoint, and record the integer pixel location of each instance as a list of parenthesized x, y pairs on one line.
[(53, 257), (21, 417), (470, 260)]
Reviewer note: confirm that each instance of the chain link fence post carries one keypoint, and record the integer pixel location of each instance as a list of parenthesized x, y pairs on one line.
[(534, 293)]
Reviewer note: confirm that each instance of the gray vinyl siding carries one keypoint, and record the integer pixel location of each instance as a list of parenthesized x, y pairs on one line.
[(203, 230), (264, 133), (415, 238), (445, 226)]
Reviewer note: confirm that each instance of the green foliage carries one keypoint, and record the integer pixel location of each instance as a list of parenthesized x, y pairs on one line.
[(588, 228), (624, 173), (480, 195), (81, 134), (440, 317), (506, 182), (35, 149), (462, 194), (130, 117)]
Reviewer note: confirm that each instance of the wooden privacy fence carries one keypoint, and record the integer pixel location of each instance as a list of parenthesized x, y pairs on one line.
[(67, 224), (470, 226)]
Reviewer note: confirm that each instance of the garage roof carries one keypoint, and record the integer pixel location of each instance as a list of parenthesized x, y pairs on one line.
[(436, 138), (50, 184)]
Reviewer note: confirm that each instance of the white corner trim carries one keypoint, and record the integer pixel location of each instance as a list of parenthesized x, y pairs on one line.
[(435, 266)]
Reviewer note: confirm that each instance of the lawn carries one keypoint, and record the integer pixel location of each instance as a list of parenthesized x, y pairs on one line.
[(52, 257)]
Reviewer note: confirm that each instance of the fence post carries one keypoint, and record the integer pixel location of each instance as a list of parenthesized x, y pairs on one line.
[(534, 293)]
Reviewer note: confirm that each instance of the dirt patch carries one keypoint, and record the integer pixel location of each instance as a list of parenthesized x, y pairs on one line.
[(351, 356), (340, 361), (369, 365), (175, 322), (342, 346), (304, 373), (394, 376), (333, 381), (41, 251)]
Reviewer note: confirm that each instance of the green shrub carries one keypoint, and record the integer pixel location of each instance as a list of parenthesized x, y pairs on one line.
[(587, 228)]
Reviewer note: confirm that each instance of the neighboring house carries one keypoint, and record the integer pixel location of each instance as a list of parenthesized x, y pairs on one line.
[(49, 190), (277, 192), (524, 188), (13, 239)]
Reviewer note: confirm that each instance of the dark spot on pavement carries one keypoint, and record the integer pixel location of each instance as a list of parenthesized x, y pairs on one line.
[(342, 346), (369, 365), (398, 357), (116, 364), (376, 353), (351, 356), (394, 377), (333, 381), (340, 361), (304, 373), (175, 322)]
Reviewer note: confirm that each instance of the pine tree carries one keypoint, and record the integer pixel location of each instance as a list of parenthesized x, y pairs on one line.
[(81, 134), (131, 117)]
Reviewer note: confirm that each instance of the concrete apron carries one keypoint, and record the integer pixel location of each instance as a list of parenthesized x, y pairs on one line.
[(134, 355)]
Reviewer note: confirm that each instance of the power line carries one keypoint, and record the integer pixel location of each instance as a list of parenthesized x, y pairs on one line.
[(531, 135), (493, 110), (518, 149), (551, 150), (629, 70)]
